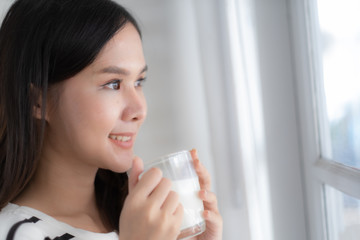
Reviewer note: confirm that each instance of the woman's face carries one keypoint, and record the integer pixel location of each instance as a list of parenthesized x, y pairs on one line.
[(100, 110)]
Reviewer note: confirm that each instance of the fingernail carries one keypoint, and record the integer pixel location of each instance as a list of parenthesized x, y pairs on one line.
[(194, 152)]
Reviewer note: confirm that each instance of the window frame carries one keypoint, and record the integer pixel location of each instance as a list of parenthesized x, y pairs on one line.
[(318, 171)]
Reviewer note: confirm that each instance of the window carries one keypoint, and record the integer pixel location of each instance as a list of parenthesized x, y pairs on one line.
[(339, 32), (326, 37), (343, 215)]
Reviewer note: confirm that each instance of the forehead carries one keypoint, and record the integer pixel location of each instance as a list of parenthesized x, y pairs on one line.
[(124, 49)]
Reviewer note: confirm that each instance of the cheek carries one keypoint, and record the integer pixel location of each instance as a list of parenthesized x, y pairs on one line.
[(145, 108), (83, 125), (98, 115)]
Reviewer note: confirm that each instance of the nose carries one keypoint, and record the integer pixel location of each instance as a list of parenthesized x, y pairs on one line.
[(135, 109)]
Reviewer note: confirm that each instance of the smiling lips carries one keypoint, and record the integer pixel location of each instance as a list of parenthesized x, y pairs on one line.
[(122, 140)]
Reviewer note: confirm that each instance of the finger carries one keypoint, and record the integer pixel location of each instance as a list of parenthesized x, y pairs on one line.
[(148, 182), (214, 225), (161, 191), (213, 219), (203, 174), (136, 169), (194, 154), (210, 200), (178, 215), (179, 212), (171, 203)]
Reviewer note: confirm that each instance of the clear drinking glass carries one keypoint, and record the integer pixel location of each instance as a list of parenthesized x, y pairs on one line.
[(179, 168)]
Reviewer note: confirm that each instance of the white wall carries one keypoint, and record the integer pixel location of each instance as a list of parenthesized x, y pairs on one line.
[(277, 107), (280, 118), (185, 48), (4, 5), (182, 47), (177, 115)]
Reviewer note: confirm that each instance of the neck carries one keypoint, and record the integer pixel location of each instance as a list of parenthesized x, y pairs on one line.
[(65, 191)]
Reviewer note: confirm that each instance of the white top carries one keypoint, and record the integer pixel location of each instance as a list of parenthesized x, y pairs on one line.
[(24, 223)]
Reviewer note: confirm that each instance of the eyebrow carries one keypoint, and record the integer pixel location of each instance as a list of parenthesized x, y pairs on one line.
[(118, 70)]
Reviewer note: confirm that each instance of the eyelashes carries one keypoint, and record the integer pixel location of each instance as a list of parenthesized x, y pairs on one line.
[(140, 82), (115, 84)]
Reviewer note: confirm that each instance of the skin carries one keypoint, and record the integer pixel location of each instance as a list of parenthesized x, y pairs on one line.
[(103, 101), (214, 221)]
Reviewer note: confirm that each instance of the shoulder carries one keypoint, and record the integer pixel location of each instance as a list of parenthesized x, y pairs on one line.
[(16, 224), (24, 223)]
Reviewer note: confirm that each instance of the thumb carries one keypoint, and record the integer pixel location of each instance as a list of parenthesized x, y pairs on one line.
[(135, 171)]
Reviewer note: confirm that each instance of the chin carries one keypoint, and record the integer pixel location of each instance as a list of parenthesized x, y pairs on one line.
[(121, 163)]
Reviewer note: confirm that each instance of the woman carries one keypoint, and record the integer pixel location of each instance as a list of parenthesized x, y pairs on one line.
[(71, 105)]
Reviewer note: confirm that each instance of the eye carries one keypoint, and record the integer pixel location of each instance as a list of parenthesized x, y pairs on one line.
[(140, 82), (114, 84)]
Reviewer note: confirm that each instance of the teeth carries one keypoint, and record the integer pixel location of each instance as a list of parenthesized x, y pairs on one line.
[(120, 138), (126, 139)]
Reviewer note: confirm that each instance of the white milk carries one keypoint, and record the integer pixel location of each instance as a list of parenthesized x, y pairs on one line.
[(188, 190)]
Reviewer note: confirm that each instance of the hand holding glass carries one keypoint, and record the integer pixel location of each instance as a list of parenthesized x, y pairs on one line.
[(179, 168)]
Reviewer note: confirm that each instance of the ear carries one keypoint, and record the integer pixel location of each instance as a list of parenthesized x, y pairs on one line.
[(37, 111), (38, 103)]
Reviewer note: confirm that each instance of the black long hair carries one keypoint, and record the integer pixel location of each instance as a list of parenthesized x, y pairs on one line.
[(43, 42)]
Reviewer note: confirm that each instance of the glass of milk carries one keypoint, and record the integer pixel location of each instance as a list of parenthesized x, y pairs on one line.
[(179, 168)]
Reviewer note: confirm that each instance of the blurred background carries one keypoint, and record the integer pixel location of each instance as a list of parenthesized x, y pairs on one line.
[(205, 91), (268, 93)]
